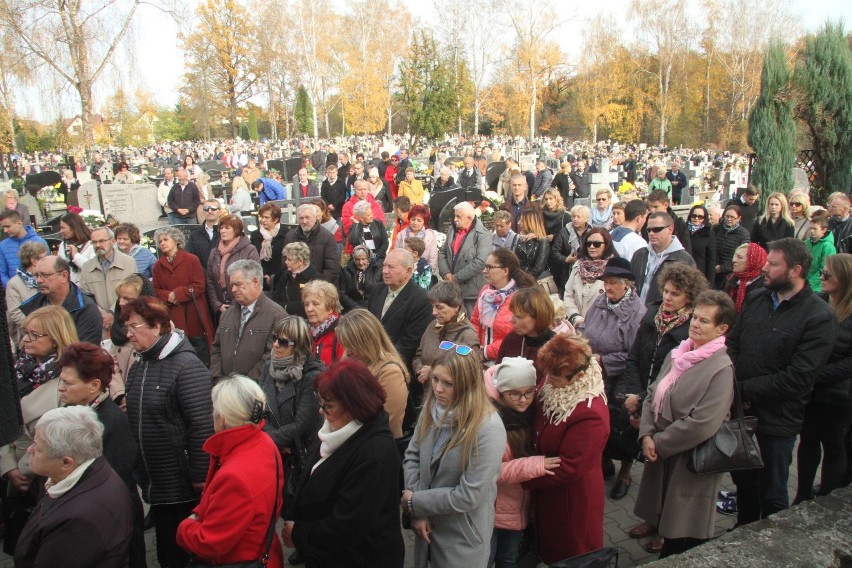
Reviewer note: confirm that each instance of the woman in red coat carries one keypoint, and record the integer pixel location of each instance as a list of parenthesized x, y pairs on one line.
[(179, 282), (243, 492), (572, 422)]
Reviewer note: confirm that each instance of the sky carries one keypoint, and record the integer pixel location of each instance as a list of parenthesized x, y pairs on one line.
[(157, 61)]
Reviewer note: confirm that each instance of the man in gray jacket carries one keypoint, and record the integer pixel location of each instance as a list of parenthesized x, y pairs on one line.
[(663, 247), (244, 336), (462, 257)]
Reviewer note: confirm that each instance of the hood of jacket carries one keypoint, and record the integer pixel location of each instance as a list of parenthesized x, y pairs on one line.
[(29, 233)]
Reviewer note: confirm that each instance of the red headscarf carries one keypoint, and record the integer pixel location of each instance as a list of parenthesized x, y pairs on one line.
[(755, 259)]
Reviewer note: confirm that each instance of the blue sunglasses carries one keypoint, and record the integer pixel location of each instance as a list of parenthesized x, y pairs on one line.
[(460, 349)]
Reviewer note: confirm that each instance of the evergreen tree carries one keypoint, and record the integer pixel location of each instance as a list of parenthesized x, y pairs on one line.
[(244, 131), (252, 126), (772, 130), (303, 111), (427, 88), (824, 77)]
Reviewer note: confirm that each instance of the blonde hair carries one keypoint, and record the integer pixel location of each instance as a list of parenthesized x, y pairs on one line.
[(560, 203), (785, 208), (56, 322), (470, 406), (532, 221), (364, 338), (133, 282), (239, 183), (326, 292), (234, 400)]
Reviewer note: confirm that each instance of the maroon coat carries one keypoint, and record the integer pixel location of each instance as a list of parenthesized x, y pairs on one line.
[(569, 505), (184, 277)]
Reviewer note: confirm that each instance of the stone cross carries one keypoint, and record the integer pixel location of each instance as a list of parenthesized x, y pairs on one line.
[(88, 197)]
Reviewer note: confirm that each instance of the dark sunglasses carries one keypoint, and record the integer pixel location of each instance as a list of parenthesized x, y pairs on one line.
[(657, 229), (825, 274), (210, 208), (796, 204), (594, 244), (694, 216), (283, 341), (460, 349)]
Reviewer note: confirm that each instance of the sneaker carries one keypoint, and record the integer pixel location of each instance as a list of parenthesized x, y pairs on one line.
[(727, 506), (727, 495)]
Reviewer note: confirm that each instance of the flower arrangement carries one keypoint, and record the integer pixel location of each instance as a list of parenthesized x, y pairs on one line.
[(494, 197), (147, 242), (92, 218), (74, 209)]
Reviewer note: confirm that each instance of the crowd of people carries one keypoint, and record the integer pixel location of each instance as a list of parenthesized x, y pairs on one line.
[(353, 378)]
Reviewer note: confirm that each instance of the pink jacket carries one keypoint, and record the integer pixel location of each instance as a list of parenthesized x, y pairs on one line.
[(512, 507), (502, 326)]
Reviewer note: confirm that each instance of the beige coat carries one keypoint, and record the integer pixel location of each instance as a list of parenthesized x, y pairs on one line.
[(33, 406), (102, 284), (681, 503), (395, 384), (16, 293), (579, 296)]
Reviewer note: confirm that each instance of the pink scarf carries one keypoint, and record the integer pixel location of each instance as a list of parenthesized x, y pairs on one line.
[(683, 359)]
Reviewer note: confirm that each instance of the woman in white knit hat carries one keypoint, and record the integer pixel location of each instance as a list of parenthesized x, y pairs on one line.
[(511, 385)]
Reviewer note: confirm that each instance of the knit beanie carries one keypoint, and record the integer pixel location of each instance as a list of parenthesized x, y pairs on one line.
[(514, 373)]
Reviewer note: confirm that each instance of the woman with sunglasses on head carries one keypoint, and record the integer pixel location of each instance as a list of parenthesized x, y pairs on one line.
[(511, 387), (452, 464), (828, 416), (572, 423), (45, 334), (800, 206), (491, 316), (584, 286), (346, 508), (703, 241)]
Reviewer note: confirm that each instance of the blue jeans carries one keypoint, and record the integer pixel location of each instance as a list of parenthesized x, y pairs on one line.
[(762, 492), (175, 219), (504, 548)]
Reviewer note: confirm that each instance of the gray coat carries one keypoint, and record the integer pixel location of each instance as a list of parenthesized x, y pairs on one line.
[(459, 504), (611, 332), (468, 265), (247, 353), (681, 503)]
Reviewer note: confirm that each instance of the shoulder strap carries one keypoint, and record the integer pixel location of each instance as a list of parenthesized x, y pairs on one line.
[(270, 532)]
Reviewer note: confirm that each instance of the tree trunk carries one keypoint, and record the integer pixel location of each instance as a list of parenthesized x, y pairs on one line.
[(707, 99), (595, 132), (476, 104), (316, 120), (84, 89), (390, 120), (533, 96)]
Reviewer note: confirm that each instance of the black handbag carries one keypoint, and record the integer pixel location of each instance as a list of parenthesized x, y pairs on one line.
[(732, 448), (270, 533), (623, 442), (603, 558)]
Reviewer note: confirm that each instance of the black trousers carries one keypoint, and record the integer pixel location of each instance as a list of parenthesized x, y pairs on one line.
[(166, 521), (823, 437), (672, 546)]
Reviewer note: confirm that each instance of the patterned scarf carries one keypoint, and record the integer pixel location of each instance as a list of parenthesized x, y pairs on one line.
[(30, 374), (684, 357), (612, 306), (224, 252), (666, 321), (557, 404), (491, 300), (318, 330), (755, 259), (266, 244), (591, 270), (28, 278), (694, 228)]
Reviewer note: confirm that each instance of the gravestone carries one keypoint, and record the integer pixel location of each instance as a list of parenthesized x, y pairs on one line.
[(88, 196), (293, 165), (132, 203)]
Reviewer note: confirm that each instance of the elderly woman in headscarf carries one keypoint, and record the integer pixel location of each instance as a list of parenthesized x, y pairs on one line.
[(748, 264)]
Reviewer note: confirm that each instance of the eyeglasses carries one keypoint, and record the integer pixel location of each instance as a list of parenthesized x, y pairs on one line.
[(209, 208), (460, 349), (694, 216), (43, 275), (100, 241), (132, 327), (594, 244), (796, 204), (657, 229), (825, 274), (324, 404), (515, 396), (602, 199), (491, 266), (32, 335), (283, 341)]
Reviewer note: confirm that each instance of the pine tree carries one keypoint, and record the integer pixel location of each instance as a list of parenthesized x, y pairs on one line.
[(427, 88), (303, 111), (772, 130), (252, 126), (824, 76)]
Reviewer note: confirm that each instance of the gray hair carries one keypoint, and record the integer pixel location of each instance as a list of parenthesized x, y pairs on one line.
[(374, 172), (251, 269), (110, 233), (234, 400), (521, 177), (30, 251), (298, 251), (581, 210), (308, 207), (446, 170), (173, 233), (72, 431), (296, 330), (465, 207), (405, 257), (445, 292), (361, 207)]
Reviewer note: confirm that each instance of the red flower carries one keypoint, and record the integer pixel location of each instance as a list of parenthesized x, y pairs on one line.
[(74, 209)]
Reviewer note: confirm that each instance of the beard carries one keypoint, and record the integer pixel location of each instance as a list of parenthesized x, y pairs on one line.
[(784, 285)]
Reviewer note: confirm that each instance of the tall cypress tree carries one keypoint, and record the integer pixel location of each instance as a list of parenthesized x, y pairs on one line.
[(824, 76), (772, 129), (303, 111), (252, 126)]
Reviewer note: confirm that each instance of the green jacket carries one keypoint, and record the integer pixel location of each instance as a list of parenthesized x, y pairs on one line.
[(819, 251)]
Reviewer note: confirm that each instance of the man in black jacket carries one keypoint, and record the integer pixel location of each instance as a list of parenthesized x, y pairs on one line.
[(333, 191), (205, 238), (659, 201), (324, 256), (749, 206), (780, 343)]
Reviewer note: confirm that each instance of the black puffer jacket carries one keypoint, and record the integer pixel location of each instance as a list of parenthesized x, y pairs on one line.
[(295, 409), (647, 354), (171, 415), (704, 251), (834, 385)]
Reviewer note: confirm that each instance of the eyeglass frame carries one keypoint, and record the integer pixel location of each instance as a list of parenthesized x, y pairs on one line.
[(448, 345), (207, 208), (32, 335), (517, 396), (323, 404), (825, 274), (286, 342), (658, 229), (594, 244), (490, 267)]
